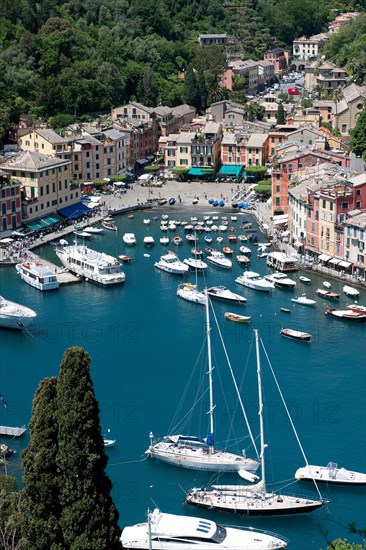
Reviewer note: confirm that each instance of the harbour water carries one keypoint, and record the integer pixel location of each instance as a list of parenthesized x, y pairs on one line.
[(144, 342)]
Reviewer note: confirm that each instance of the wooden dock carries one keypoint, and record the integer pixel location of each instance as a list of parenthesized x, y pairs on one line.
[(12, 432)]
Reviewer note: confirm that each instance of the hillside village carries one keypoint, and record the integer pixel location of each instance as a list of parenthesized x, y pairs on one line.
[(318, 195)]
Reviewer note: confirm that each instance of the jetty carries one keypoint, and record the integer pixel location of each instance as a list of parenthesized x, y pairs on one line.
[(12, 432)]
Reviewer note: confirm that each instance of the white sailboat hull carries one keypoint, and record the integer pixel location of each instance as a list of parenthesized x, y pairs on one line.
[(198, 459)]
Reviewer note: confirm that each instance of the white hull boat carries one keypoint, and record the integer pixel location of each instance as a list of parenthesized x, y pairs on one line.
[(280, 280), (189, 292), (330, 474), (197, 453), (195, 263), (219, 259), (94, 230), (164, 240), (353, 292), (94, 266), (129, 239), (38, 275), (327, 284), (253, 500), (303, 300), (305, 280), (253, 280), (149, 241), (356, 308), (222, 293), (171, 532), (295, 334), (15, 316), (171, 264)]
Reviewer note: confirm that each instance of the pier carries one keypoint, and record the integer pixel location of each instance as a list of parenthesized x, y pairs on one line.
[(12, 432)]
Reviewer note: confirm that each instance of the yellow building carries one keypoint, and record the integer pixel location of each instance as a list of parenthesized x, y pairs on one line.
[(327, 219)]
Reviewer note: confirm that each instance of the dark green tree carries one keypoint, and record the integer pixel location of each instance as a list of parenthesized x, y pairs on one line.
[(191, 88), (281, 116), (88, 515), (358, 136), (40, 476)]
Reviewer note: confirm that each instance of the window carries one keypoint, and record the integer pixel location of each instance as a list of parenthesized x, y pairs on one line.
[(278, 201), (358, 204), (324, 203), (76, 157), (331, 206), (54, 187), (41, 191), (358, 192), (345, 205), (3, 208), (59, 186)]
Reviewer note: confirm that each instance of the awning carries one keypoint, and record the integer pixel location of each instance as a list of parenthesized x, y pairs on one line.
[(324, 258), (74, 211), (297, 244), (42, 223), (195, 171), (230, 170), (334, 261), (344, 264), (277, 220), (142, 161)]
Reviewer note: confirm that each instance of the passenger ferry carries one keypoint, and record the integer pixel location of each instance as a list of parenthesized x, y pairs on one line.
[(93, 266), (38, 275)]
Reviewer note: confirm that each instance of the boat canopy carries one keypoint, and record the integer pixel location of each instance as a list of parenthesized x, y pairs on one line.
[(74, 211), (192, 438)]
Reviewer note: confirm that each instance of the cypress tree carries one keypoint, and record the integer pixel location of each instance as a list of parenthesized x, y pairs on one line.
[(41, 491), (191, 88), (88, 517), (280, 116)]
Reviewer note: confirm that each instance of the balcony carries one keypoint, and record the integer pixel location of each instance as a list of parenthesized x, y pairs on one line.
[(338, 227)]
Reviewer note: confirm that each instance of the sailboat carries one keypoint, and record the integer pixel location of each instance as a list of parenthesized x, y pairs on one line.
[(254, 500), (196, 453)]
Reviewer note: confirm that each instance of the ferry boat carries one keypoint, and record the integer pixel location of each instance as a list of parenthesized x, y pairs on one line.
[(38, 275), (15, 316), (92, 265)]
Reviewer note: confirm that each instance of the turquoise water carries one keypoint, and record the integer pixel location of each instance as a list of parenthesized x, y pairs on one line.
[(144, 343)]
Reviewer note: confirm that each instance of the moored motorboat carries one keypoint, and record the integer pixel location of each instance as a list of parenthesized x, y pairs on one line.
[(326, 284), (125, 259), (218, 259), (177, 240), (327, 294), (109, 225), (222, 293), (303, 300), (346, 314), (82, 234), (281, 280), (94, 230), (171, 532), (295, 334), (353, 292), (149, 240), (356, 308), (242, 259), (171, 264), (227, 250), (38, 275), (195, 263), (189, 292), (129, 239), (253, 280), (236, 318), (15, 316), (164, 240), (305, 280), (330, 474)]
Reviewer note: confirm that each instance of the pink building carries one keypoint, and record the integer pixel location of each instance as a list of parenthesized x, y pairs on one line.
[(10, 204)]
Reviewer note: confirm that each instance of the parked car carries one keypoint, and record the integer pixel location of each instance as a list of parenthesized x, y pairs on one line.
[(293, 91)]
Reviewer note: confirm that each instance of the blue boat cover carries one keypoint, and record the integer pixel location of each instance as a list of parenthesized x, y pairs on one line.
[(74, 211)]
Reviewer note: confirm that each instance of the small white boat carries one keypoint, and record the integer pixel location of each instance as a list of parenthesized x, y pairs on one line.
[(303, 300), (326, 284), (164, 240), (109, 225), (38, 275), (108, 442), (149, 240), (245, 250), (82, 234), (189, 292), (219, 259), (195, 263), (170, 532), (356, 308), (94, 230), (295, 334), (147, 221), (236, 318), (304, 279), (129, 238), (219, 239), (330, 474), (242, 259), (281, 280), (346, 314), (171, 264), (172, 226), (222, 293), (253, 280), (177, 240), (191, 238), (222, 228), (353, 292), (15, 316)]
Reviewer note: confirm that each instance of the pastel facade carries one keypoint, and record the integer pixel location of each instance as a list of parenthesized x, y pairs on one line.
[(10, 204), (355, 242)]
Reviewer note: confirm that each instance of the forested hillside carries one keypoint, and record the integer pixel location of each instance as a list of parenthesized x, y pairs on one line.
[(80, 56)]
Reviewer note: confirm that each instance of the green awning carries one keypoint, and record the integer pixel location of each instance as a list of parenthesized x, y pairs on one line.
[(42, 223), (195, 171), (230, 170)]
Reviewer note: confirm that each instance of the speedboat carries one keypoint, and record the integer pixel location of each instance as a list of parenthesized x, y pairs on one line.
[(353, 292), (218, 259), (164, 240), (94, 230), (245, 250), (330, 474), (189, 292), (253, 280), (222, 293), (295, 334), (242, 259), (303, 300), (82, 234), (171, 532), (38, 275), (346, 314), (304, 279), (129, 238), (281, 280), (15, 316), (326, 284), (195, 263), (94, 266), (149, 240), (171, 264), (236, 318), (146, 221)]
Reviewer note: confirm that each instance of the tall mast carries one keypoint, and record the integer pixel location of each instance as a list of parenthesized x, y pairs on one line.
[(260, 400), (209, 358)]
